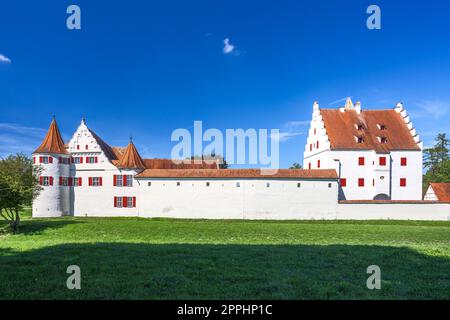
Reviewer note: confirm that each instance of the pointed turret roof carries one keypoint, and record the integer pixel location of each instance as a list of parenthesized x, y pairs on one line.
[(131, 158), (53, 143)]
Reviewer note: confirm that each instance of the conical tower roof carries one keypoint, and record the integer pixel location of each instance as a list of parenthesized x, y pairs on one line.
[(131, 159), (53, 143)]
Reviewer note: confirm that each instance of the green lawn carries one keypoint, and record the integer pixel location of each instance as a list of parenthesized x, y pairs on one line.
[(132, 258)]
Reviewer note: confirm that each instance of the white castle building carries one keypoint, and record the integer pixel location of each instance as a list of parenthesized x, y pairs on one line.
[(88, 177), (377, 153)]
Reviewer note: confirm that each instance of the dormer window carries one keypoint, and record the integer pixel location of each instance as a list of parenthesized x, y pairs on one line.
[(359, 126), (359, 139), (382, 140), (382, 127)]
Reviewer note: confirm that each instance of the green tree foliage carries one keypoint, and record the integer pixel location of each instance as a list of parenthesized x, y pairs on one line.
[(437, 161), (19, 185), (295, 165)]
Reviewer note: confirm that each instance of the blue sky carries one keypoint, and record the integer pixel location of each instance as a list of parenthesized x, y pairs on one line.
[(146, 68)]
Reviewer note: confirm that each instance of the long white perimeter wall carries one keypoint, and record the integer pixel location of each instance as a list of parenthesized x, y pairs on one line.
[(253, 199)]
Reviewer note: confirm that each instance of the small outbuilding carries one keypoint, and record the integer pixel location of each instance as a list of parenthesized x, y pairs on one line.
[(438, 192)]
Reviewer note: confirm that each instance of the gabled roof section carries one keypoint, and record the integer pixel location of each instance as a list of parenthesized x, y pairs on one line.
[(53, 143), (131, 159), (442, 191), (379, 130)]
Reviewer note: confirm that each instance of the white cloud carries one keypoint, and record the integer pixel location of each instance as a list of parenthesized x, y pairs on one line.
[(432, 108), (227, 46), (296, 123), (337, 102), (284, 136), (18, 138), (4, 59)]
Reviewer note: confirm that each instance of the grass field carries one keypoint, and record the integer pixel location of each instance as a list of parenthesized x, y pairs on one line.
[(132, 258)]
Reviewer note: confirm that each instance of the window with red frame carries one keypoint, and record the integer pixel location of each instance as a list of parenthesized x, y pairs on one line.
[(95, 181), (361, 182), (45, 181), (124, 202), (361, 161), (403, 162), (122, 180), (91, 160), (402, 182), (343, 182), (382, 161)]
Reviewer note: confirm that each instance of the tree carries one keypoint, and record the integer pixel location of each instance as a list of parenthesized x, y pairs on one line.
[(19, 185), (438, 153), (295, 165), (437, 161)]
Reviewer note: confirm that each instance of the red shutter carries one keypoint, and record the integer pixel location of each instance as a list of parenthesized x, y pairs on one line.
[(80, 181), (134, 202), (125, 202), (403, 162), (343, 182), (361, 161), (317, 144), (90, 181), (41, 180), (115, 180), (41, 159), (100, 181), (382, 161), (69, 182), (96, 160), (115, 202), (50, 159), (402, 182), (34, 159), (81, 160), (51, 181), (318, 163), (361, 182), (309, 166), (125, 182), (310, 147), (60, 181)]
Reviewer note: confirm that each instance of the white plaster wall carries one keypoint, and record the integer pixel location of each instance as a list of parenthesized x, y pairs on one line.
[(52, 201), (430, 195), (412, 172), (223, 200), (394, 211)]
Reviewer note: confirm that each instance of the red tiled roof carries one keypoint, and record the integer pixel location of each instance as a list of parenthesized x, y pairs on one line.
[(53, 143), (341, 130), (238, 173), (169, 164), (442, 191), (131, 159)]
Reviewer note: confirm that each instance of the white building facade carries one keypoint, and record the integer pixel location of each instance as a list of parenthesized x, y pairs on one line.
[(87, 177), (377, 153)]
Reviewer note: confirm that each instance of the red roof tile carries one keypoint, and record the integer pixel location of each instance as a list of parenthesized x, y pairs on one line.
[(53, 143), (342, 129), (238, 173), (442, 191), (131, 159)]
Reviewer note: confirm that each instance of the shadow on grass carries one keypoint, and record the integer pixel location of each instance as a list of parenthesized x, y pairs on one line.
[(188, 271), (36, 226)]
